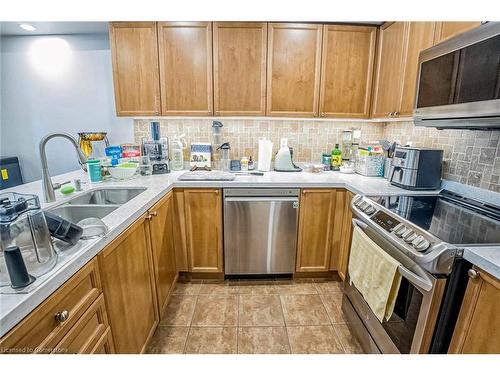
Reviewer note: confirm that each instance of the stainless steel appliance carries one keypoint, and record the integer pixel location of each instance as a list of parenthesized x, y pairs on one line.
[(260, 231), (458, 83), (416, 168), (416, 231), (10, 172)]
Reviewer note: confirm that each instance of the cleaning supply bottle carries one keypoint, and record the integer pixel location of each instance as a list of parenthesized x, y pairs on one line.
[(336, 158), (178, 145)]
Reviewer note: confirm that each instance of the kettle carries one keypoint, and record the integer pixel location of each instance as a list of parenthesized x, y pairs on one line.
[(23, 226)]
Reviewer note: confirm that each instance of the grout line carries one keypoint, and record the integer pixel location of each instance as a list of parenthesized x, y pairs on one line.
[(286, 327)]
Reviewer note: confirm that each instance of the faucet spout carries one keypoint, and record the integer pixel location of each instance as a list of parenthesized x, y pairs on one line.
[(47, 186)]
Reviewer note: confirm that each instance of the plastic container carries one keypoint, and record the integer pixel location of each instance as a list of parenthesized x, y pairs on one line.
[(178, 146), (115, 153), (94, 171), (244, 163), (123, 171), (23, 225)]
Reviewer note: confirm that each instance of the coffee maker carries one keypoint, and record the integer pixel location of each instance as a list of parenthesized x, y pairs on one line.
[(156, 149)]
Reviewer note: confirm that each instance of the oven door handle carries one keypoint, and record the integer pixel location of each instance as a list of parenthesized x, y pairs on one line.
[(359, 223), (405, 272), (415, 279)]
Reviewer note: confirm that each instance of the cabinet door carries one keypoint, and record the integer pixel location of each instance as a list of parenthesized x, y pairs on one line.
[(447, 30), (315, 230), (240, 68), (203, 209), (134, 50), (185, 50), (129, 288), (293, 69), (389, 69), (347, 71), (346, 237), (162, 245), (420, 37), (478, 325)]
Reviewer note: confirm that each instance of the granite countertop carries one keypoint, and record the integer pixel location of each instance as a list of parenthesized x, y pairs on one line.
[(14, 307)]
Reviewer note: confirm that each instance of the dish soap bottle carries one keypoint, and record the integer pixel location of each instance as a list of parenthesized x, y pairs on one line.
[(251, 165), (336, 158), (178, 145)]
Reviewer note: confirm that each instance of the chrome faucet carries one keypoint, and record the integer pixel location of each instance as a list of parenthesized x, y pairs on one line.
[(47, 185)]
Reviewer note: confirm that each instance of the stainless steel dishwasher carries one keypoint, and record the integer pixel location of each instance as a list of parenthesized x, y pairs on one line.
[(260, 231)]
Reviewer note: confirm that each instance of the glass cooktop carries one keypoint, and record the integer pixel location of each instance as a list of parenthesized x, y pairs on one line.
[(453, 219)]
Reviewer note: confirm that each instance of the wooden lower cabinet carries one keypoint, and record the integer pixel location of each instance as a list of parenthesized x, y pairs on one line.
[(162, 246), (203, 210), (478, 325), (318, 226), (346, 236), (71, 320), (128, 278)]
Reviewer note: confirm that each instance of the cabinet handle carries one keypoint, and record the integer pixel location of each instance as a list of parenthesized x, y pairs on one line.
[(472, 273), (62, 316)]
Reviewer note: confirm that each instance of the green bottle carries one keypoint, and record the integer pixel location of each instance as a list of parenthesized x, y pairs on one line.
[(336, 158)]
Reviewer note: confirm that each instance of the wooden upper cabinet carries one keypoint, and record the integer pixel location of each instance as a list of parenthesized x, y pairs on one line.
[(478, 325), (134, 50), (347, 70), (389, 69), (203, 209), (240, 68), (185, 50), (316, 218), (420, 37), (162, 246), (293, 69), (128, 280), (447, 30)]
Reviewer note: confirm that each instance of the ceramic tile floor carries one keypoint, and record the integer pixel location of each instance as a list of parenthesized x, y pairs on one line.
[(255, 317)]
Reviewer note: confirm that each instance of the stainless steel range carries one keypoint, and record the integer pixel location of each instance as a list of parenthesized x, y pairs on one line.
[(426, 234)]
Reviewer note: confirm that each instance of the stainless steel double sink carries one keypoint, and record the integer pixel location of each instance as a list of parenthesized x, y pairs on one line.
[(97, 203)]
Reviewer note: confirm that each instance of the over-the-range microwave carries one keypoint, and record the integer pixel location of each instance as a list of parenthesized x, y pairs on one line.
[(458, 84)]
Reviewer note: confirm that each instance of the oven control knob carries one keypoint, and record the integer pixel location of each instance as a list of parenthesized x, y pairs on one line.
[(397, 227), (370, 210), (417, 241), (407, 234), (422, 246), (362, 206), (409, 238), (399, 232)]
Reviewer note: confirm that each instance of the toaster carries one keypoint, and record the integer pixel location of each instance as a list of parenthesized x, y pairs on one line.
[(416, 168)]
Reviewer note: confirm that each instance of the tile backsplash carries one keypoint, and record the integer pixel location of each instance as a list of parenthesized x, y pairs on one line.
[(308, 138), (471, 157)]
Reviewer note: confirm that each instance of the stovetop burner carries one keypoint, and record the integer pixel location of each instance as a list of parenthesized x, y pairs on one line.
[(451, 218)]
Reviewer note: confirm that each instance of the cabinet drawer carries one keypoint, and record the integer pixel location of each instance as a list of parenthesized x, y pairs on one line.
[(105, 345), (85, 334), (41, 331)]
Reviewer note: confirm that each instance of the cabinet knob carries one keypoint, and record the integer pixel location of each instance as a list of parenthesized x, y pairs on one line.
[(62, 316), (154, 213), (149, 217), (396, 113), (472, 273), (315, 114), (322, 114)]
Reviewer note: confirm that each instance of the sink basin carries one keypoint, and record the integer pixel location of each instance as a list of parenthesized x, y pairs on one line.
[(76, 213), (109, 196)]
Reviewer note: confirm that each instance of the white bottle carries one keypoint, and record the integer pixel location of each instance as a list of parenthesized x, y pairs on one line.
[(178, 146)]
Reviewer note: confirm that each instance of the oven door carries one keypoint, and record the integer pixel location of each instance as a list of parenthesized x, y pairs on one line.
[(411, 326)]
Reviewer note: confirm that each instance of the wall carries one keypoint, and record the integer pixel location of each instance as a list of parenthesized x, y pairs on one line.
[(308, 138), (54, 84), (470, 157)]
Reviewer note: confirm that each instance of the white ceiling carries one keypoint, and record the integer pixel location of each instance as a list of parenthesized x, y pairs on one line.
[(54, 28)]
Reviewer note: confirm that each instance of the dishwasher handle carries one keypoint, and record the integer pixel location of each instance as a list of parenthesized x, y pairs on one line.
[(262, 199)]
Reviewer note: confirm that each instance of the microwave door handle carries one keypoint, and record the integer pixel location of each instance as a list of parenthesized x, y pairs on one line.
[(415, 279)]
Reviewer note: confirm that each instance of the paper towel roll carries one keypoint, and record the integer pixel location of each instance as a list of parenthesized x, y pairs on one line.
[(265, 155)]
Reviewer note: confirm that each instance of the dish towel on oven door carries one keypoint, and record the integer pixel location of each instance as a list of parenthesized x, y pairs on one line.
[(374, 273)]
